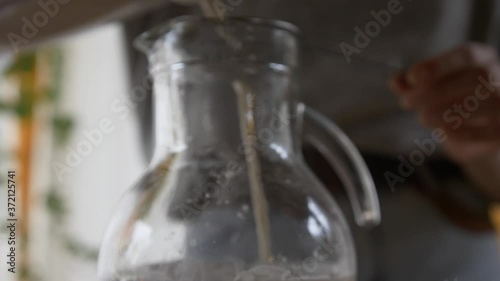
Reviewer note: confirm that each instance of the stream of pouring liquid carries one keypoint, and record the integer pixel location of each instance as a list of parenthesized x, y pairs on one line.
[(246, 105)]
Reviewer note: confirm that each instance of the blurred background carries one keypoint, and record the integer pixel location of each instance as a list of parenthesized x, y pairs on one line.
[(71, 133), (69, 172)]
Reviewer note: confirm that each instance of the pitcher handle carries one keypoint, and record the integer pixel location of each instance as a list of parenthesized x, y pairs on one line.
[(347, 161)]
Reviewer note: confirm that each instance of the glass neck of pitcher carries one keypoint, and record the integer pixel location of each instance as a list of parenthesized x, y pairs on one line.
[(206, 110), (198, 66)]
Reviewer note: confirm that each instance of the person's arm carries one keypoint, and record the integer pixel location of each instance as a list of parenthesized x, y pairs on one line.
[(24, 23), (459, 92)]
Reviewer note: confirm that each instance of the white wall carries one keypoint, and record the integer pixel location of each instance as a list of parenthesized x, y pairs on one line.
[(95, 76)]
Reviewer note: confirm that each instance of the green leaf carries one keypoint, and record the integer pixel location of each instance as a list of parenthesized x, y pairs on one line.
[(24, 62), (63, 127), (56, 205), (27, 273), (49, 94), (57, 63), (4, 106), (24, 108), (77, 249)]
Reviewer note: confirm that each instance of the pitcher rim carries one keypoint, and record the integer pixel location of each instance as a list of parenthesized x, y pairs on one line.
[(146, 39)]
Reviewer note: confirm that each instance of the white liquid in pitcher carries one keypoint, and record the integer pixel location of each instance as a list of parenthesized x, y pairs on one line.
[(204, 272)]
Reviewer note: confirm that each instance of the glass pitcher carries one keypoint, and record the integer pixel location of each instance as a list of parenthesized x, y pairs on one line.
[(228, 195)]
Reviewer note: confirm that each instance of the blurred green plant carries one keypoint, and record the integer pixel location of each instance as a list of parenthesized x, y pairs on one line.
[(23, 63), (80, 250), (63, 127), (56, 205)]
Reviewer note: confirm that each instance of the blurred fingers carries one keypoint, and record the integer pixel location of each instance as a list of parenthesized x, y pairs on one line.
[(468, 108), (450, 63), (473, 81)]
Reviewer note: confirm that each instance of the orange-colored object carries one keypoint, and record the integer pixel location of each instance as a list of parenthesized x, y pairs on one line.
[(28, 93), (495, 218)]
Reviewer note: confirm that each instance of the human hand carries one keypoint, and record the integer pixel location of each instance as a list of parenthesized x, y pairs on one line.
[(459, 92)]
